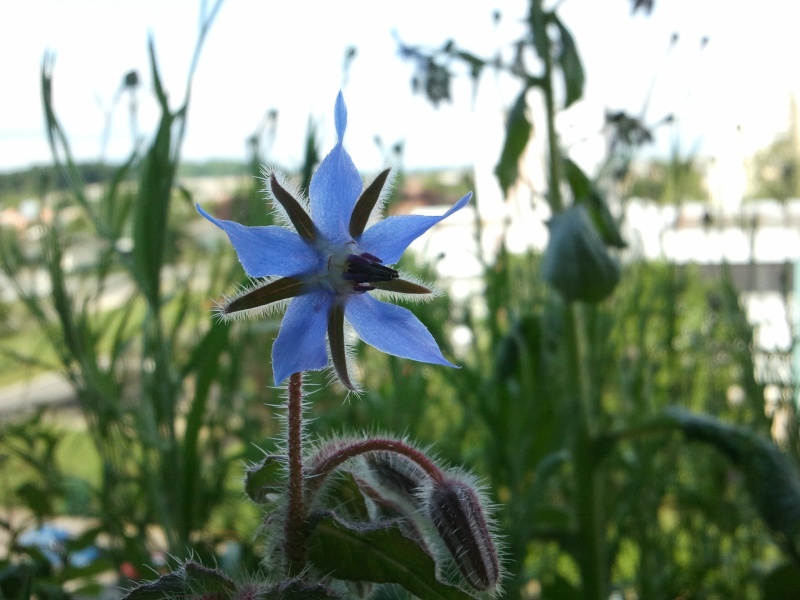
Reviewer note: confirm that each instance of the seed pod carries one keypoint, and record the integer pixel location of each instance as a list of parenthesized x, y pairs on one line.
[(457, 513)]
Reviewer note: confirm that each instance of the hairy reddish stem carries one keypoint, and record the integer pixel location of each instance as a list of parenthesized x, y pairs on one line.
[(353, 449), (295, 518)]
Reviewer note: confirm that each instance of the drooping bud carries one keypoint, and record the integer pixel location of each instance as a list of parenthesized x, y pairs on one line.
[(577, 262), (459, 517), (397, 475)]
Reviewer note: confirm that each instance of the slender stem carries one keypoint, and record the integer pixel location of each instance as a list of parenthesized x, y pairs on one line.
[(591, 520), (295, 517), (583, 368), (553, 150), (588, 477)]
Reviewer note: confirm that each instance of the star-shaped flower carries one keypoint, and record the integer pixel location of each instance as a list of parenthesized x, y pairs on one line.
[(329, 267)]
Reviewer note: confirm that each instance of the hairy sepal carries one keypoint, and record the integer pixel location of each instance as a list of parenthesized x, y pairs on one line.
[(278, 211), (224, 311)]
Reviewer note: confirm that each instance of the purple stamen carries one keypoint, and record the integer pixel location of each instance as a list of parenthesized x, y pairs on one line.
[(366, 268), (371, 257)]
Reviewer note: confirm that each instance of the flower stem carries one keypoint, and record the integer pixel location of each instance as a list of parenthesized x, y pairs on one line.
[(294, 535), (588, 479), (353, 449)]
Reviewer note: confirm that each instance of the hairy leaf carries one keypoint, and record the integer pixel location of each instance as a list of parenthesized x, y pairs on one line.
[(265, 478), (377, 552), (192, 580), (295, 589)]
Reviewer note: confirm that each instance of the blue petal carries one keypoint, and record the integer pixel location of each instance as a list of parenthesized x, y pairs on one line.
[(300, 345), (336, 185), (392, 329), (267, 251), (388, 239), (340, 116)]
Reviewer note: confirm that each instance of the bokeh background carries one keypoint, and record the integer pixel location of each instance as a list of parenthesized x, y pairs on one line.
[(627, 391)]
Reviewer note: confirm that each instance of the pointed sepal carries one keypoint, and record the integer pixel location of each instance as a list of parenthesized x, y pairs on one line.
[(297, 215), (365, 203)]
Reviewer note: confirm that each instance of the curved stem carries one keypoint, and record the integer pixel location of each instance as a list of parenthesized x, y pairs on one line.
[(351, 450)]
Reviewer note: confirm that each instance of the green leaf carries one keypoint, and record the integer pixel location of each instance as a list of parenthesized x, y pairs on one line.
[(580, 184), (265, 478), (518, 132), (517, 346), (475, 64), (346, 493), (170, 585), (557, 586), (150, 226), (538, 26), (295, 589), (205, 362), (192, 580), (17, 581), (700, 427), (782, 583), (584, 192), (207, 581), (377, 552), (570, 62), (772, 478)]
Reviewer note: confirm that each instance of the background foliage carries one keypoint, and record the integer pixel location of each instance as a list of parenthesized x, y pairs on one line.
[(604, 431)]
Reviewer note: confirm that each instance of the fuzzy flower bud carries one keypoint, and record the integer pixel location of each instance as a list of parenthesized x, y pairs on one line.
[(577, 262), (458, 514), (396, 474)]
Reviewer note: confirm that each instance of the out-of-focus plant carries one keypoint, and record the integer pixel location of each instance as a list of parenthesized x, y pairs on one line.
[(574, 418), (775, 169), (156, 383)]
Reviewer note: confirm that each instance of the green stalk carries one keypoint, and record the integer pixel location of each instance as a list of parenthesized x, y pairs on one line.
[(588, 481), (592, 559), (546, 83)]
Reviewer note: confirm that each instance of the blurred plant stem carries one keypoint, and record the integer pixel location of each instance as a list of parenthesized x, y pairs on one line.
[(588, 479), (577, 372)]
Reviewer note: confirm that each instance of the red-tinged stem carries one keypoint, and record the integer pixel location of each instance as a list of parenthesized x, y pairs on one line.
[(353, 449), (296, 517)]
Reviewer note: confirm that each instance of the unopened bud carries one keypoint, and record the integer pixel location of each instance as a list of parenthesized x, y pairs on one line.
[(457, 512), (577, 262), (396, 474)]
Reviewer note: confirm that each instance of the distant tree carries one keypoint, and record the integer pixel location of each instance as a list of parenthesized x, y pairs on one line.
[(35, 181), (668, 181), (775, 170)]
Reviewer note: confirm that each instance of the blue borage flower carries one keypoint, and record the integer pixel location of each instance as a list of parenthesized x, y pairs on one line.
[(329, 267)]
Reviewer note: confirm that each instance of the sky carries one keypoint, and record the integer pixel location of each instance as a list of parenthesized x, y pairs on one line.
[(263, 55)]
